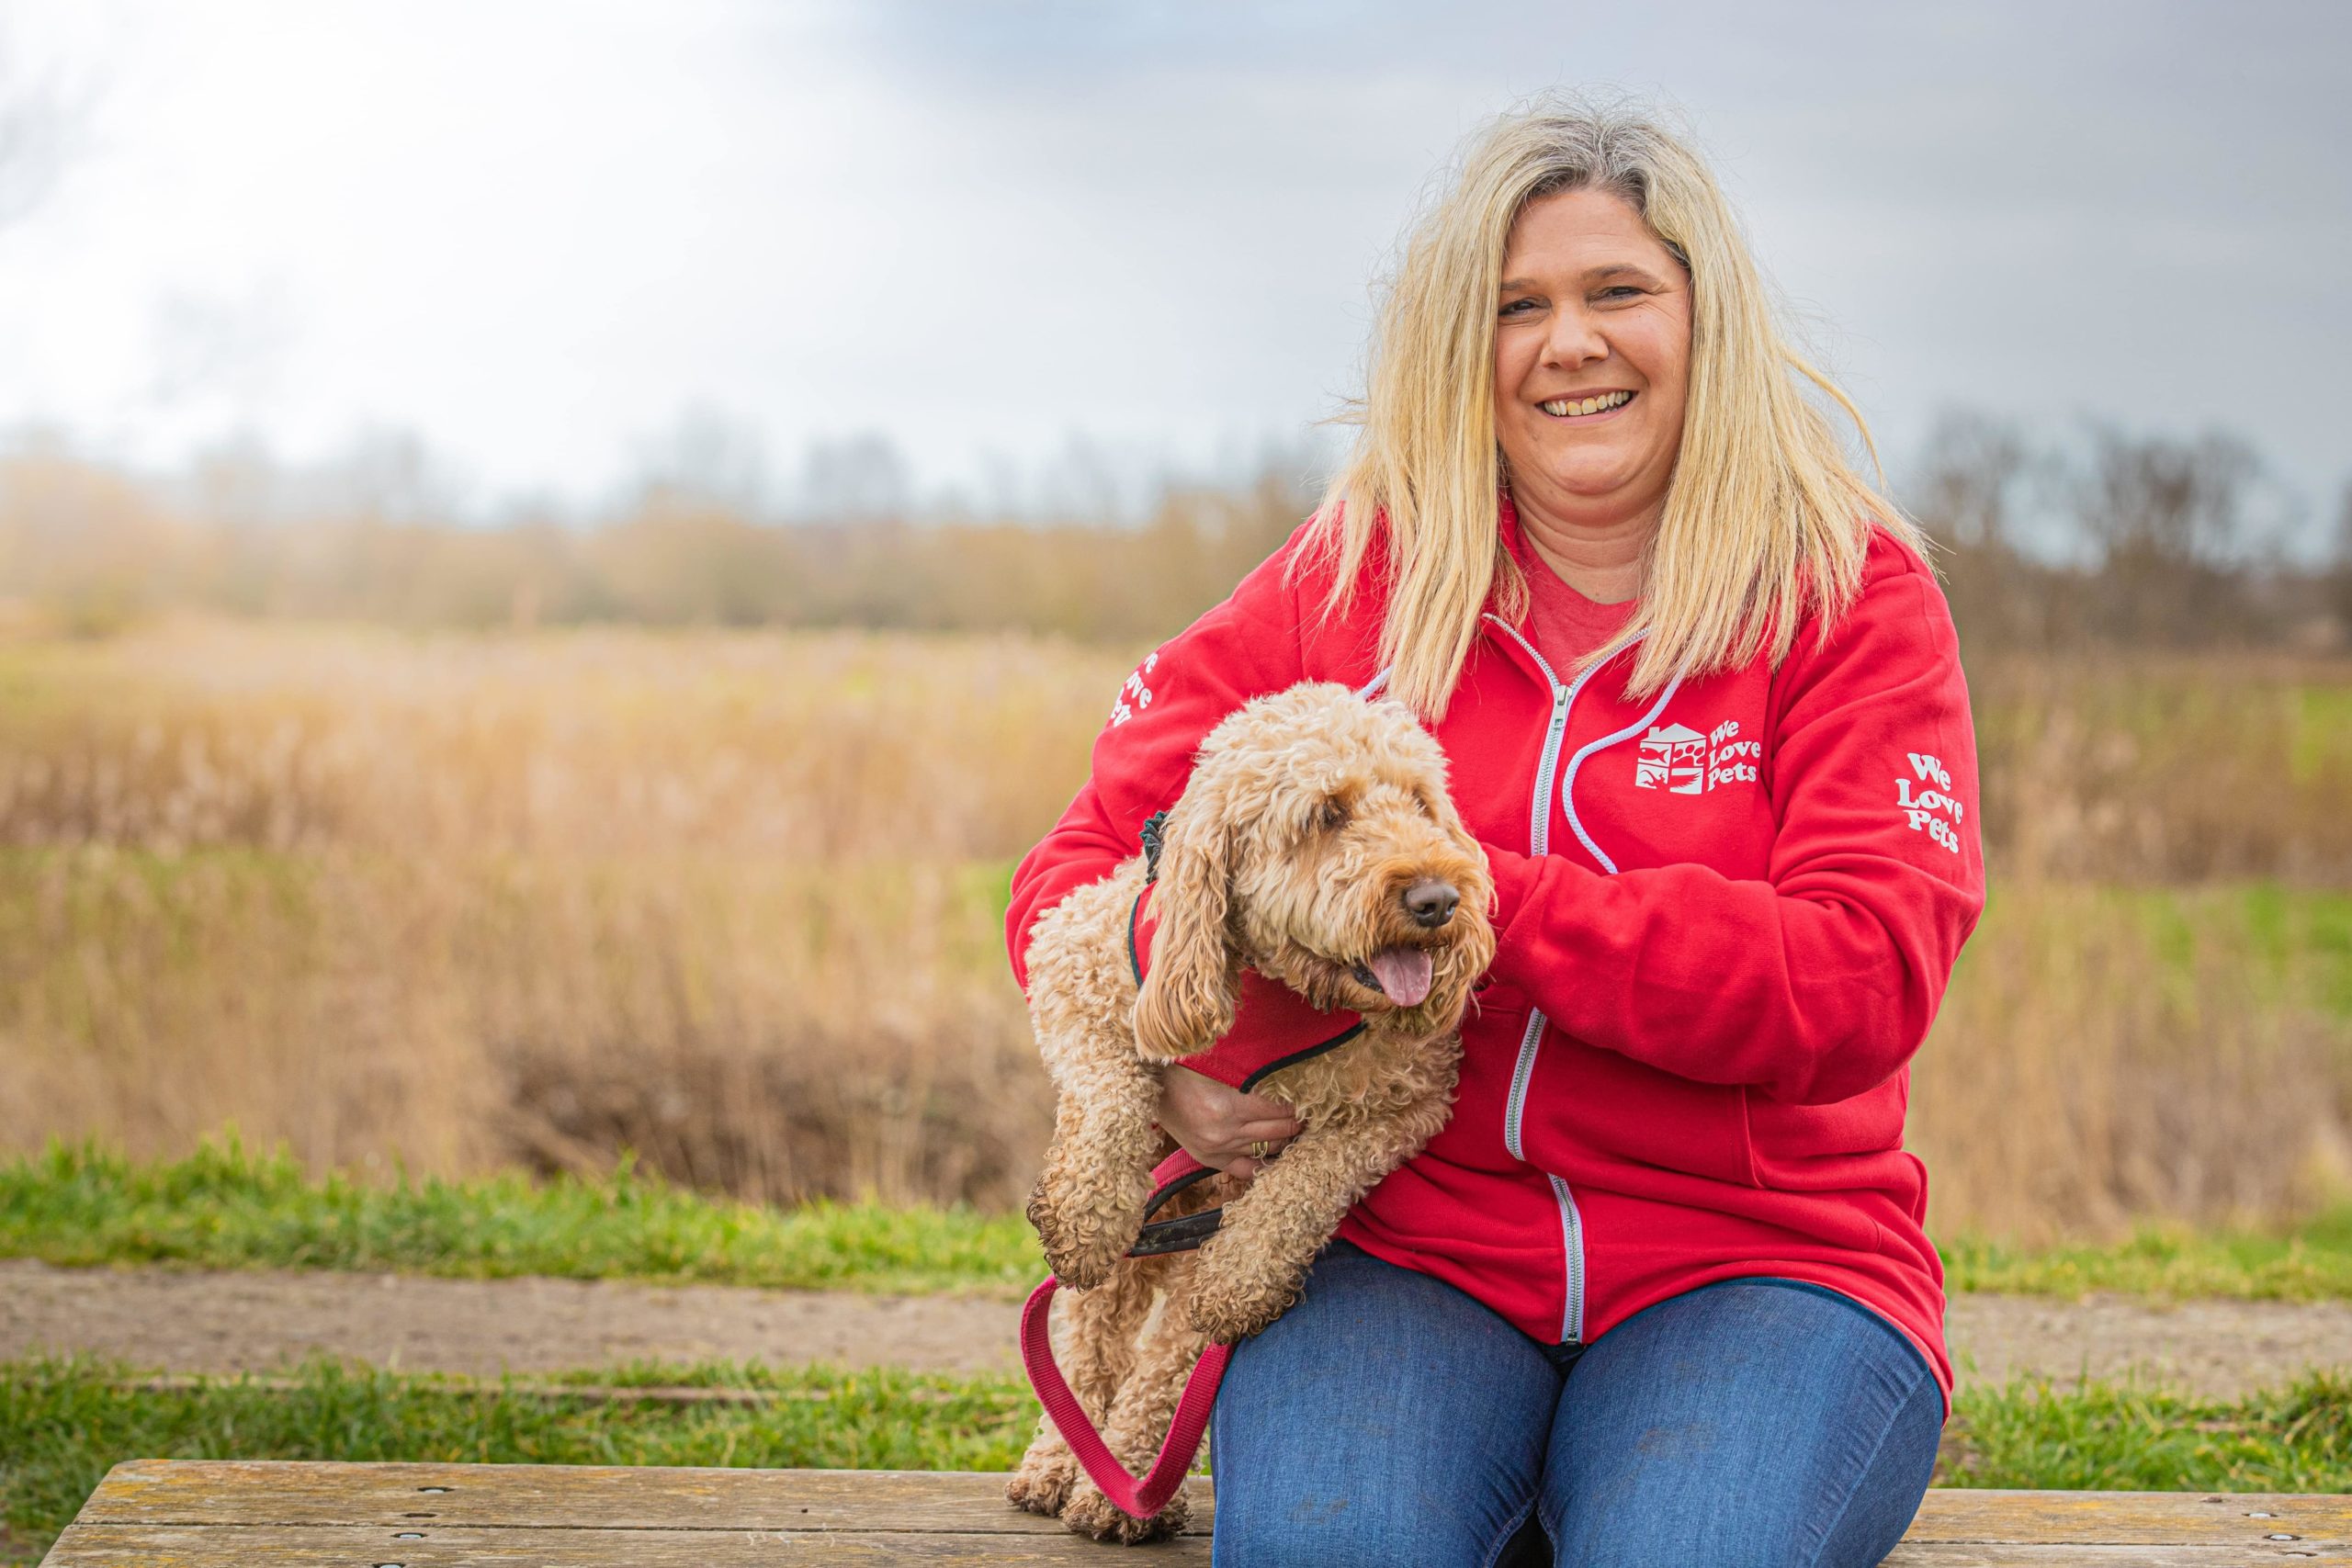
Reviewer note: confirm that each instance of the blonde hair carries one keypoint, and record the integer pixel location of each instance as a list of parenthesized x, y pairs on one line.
[(1765, 518)]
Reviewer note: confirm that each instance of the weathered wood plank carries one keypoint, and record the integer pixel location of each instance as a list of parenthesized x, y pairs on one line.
[(163, 1492), (148, 1546), (1936, 1554), (243, 1492), (313, 1546), (2131, 1519)]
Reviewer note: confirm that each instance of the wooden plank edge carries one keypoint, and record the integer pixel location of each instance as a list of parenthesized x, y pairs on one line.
[(232, 1546), (344, 1494), (198, 1493), (126, 1546)]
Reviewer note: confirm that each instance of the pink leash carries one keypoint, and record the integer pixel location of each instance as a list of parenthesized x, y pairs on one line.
[(1142, 1498)]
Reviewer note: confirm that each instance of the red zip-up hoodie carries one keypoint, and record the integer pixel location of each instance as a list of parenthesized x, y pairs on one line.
[(1725, 920)]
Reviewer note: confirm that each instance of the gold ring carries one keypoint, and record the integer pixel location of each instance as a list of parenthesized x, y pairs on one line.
[(1257, 1149)]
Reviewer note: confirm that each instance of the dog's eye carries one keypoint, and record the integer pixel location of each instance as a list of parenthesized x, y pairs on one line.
[(1333, 814)]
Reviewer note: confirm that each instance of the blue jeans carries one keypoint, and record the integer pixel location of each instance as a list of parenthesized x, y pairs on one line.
[(1390, 1418)]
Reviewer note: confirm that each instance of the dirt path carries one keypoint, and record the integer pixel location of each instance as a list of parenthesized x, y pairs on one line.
[(259, 1321), (2218, 1349)]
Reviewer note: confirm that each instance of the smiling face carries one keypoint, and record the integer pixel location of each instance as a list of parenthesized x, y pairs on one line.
[(1593, 358)]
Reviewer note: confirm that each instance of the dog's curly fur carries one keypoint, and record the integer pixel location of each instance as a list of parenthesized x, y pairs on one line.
[(1308, 815)]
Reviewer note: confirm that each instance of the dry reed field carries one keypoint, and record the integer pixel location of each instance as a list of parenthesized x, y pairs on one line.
[(732, 900)]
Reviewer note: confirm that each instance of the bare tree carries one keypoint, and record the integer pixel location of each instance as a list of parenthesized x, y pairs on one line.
[(2169, 518), (2339, 566), (1976, 481), (706, 460), (1970, 480), (862, 478)]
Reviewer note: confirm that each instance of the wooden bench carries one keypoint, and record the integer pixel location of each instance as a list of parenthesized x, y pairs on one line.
[(192, 1514)]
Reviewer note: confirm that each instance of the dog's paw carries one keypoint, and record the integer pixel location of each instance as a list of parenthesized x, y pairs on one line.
[(1083, 1265), (1063, 1253), (1042, 1218), (1044, 1482), (1230, 1311), (1091, 1514), (1230, 1323), (1081, 1245)]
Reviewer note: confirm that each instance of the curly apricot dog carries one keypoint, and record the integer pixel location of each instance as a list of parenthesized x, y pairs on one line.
[(1314, 843)]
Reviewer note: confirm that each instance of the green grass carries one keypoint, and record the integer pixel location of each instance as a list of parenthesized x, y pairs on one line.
[(225, 1207), (2292, 945), (2047, 1437), (2310, 1262), (64, 1424)]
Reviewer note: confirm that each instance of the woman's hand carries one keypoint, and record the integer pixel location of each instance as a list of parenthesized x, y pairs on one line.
[(1216, 1125)]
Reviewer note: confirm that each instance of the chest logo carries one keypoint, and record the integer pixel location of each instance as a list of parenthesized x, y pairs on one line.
[(1680, 760)]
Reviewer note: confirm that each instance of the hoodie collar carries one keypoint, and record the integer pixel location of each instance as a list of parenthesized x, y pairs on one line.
[(1492, 620)]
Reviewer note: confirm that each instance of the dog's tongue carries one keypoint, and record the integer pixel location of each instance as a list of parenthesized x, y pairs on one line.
[(1403, 973)]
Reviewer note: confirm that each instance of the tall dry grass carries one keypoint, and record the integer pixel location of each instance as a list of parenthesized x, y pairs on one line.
[(808, 748), (2109, 1055), (2166, 768), (732, 899), (729, 900), (768, 1028)]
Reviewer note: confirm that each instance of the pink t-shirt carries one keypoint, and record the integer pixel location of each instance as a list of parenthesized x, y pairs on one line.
[(1564, 624)]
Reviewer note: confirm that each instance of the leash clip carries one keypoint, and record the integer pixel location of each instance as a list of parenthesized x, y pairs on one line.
[(1154, 835)]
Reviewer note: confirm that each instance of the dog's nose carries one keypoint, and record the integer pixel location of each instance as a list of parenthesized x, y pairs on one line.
[(1431, 902)]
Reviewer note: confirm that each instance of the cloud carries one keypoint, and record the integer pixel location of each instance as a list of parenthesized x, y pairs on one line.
[(537, 232)]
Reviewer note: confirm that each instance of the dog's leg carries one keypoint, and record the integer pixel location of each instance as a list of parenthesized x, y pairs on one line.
[(1041, 1482), (1096, 1351), (1139, 1420), (1249, 1273), (1088, 1208)]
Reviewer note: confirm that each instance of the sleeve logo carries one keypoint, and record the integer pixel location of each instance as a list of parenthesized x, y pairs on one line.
[(1133, 695), (1925, 810)]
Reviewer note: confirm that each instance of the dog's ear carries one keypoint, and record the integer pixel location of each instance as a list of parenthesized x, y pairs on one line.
[(1186, 1001)]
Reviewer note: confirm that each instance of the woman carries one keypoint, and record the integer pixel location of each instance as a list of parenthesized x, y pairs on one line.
[(1661, 1285)]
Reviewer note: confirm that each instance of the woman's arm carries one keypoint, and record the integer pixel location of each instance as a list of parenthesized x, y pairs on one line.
[(1820, 981), (1245, 647)]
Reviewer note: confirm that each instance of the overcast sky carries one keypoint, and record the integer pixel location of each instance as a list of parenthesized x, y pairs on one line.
[(541, 235)]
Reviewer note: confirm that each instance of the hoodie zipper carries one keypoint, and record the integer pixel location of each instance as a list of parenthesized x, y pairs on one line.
[(1539, 841)]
